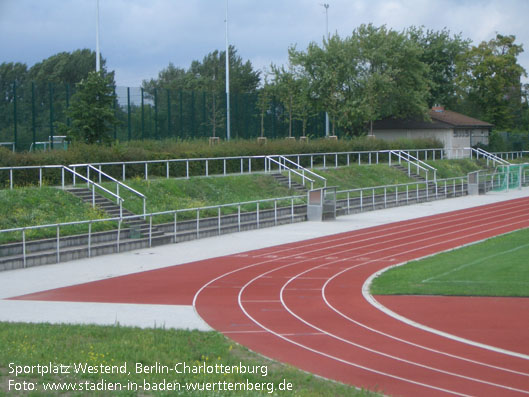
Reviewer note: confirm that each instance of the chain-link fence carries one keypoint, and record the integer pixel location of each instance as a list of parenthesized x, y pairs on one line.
[(32, 113)]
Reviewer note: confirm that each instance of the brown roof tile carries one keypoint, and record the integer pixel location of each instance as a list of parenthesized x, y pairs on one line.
[(456, 119)]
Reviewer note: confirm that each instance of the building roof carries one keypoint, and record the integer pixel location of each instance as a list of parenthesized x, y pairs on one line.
[(441, 119), (438, 113)]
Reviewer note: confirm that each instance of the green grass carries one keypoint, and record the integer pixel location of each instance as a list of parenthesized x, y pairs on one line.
[(456, 167), (356, 176), (495, 267), (47, 205), (171, 194), (33, 344)]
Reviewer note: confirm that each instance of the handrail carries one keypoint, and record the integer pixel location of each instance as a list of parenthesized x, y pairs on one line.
[(305, 169), (118, 184), (489, 156), (283, 166), (94, 185), (431, 168), (415, 164)]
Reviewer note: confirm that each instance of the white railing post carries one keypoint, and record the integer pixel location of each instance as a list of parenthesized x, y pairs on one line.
[(90, 239), (24, 247), (150, 231)]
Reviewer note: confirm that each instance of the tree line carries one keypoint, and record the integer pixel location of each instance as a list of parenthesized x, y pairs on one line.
[(372, 74)]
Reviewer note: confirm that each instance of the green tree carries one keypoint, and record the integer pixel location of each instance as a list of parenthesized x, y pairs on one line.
[(65, 67), (91, 112), (243, 79), (440, 51), (489, 77), (373, 74)]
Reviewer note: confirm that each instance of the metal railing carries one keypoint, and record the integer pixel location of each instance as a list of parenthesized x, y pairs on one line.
[(412, 162), (177, 216), (282, 162), (102, 175), (402, 194), (488, 156), (282, 167), (9, 144), (511, 155), (94, 185), (185, 168)]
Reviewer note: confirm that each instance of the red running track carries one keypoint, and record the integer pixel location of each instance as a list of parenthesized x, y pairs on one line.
[(303, 304)]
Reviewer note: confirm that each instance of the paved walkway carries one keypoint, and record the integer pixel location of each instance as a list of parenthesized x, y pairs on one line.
[(24, 281)]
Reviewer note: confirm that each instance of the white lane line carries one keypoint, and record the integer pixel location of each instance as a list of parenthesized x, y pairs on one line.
[(389, 312), (427, 220), (474, 263), (327, 247), (363, 347), (338, 359)]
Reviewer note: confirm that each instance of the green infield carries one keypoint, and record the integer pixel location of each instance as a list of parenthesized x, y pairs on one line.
[(495, 267), (76, 360)]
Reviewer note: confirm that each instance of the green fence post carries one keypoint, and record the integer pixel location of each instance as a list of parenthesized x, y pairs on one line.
[(142, 117), (168, 113), (204, 117), (15, 132), (156, 114), (129, 127), (180, 95), (115, 115), (33, 116), (192, 114), (50, 89)]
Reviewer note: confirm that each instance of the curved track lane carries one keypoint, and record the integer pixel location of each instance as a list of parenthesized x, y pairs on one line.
[(302, 304)]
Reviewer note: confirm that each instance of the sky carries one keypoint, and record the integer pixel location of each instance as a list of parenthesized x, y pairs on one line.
[(139, 38)]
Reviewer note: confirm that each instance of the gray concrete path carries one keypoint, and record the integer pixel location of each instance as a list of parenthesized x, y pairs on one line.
[(24, 281)]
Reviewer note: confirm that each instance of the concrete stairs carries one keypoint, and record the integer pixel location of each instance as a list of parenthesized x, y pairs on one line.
[(283, 180), (136, 234), (138, 226), (417, 177)]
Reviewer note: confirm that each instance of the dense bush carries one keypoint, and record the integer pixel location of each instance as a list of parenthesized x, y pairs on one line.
[(181, 149)]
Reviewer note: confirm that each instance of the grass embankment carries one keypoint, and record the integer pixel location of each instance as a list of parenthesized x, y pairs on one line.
[(357, 176), (33, 344), (456, 167), (172, 194), (32, 206), (495, 267)]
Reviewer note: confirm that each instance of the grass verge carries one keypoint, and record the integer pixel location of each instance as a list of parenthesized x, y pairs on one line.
[(111, 347), (495, 267)]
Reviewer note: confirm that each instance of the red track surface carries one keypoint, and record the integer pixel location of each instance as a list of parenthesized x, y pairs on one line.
[(302, 303)]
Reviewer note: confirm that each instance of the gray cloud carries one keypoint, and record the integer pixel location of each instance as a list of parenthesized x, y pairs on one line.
[(139, 38)]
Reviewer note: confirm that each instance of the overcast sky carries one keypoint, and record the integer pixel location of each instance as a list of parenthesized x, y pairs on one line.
[(139, 38)]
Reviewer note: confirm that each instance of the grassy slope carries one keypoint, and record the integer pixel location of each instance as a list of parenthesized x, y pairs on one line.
[(32, 344), (356, 176), (171, 194), (33, 206), (456, 167), (496, 267)]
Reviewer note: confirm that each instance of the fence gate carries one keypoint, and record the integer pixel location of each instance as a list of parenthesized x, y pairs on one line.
[(321, 204)]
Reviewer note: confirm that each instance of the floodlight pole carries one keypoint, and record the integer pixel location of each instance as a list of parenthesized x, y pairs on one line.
[(326, 5), (98, 60), (227, 78)]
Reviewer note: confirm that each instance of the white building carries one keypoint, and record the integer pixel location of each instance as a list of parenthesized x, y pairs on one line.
[(454, 130)]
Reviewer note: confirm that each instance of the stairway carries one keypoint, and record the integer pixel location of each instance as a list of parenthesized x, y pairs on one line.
[(283, 180), (138, 226), (419, 178)]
